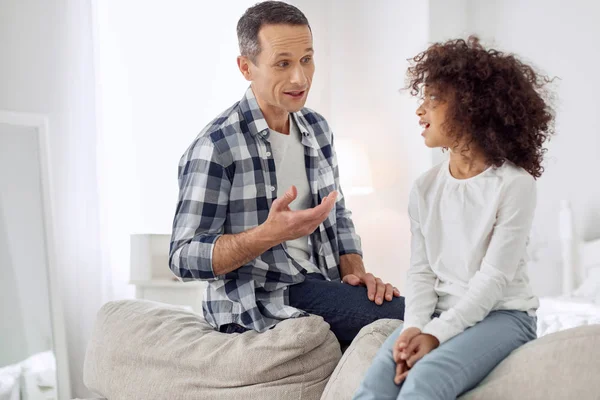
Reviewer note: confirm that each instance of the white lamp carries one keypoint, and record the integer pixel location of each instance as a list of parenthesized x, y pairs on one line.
[(354, 167)]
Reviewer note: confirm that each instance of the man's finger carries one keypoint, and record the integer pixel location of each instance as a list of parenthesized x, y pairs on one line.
[(369, 281), (396, 292), (329, 200), (327, 204), (319, 213), (282, 203), (352, 280), (379, 291), (389, 292)]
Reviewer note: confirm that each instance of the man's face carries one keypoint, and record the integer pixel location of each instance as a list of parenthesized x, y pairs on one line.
[(282, 73)]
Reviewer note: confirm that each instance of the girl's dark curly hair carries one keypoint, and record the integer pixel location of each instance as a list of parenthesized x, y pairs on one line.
[(499, 102)]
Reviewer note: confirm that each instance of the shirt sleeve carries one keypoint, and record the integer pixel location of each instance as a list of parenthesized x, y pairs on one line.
[(421, 297), (201, 211), (503, 257), (348, 240)]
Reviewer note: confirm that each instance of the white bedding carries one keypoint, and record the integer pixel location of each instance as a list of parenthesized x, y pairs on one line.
[(31, 379), (560, 313)]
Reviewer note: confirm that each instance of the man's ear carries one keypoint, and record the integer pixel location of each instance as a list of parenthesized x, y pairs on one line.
[(244, 65)]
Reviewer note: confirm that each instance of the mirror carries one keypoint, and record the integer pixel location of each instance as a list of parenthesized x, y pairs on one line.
[(32, 343)]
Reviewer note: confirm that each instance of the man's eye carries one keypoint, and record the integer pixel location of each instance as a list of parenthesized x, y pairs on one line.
[(306, 60), (283, 64)]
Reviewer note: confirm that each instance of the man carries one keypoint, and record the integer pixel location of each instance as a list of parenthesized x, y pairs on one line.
[(261, 215)]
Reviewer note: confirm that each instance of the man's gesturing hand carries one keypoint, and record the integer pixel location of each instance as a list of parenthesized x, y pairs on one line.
[(285, 224)]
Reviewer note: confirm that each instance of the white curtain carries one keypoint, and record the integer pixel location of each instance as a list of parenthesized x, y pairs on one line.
[(48, 68)]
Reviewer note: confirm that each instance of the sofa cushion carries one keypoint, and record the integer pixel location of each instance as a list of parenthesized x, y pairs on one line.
[(146, 350), (563, 365)]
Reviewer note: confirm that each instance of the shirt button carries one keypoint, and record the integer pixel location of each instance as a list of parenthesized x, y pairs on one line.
[(264, 133), (272, 188), (268, 154)]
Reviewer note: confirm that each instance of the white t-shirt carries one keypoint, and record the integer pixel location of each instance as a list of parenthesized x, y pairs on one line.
[(468, 249), (288, 153)]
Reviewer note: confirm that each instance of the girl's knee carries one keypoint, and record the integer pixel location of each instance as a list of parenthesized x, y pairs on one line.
[(427, 380)]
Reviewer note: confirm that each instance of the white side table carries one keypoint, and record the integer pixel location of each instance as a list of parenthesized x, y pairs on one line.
[(153, 280), (188, 294)]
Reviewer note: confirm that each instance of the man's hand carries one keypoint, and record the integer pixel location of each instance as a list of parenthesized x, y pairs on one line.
[(283, 224), (417, 348), (353, 273)]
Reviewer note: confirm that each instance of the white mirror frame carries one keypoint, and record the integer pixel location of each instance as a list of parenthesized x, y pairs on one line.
[(40, 124)]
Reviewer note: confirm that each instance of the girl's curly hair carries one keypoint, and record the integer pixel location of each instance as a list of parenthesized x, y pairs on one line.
[(499, 102)]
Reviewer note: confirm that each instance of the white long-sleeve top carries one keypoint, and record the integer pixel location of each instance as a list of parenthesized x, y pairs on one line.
[(468, 248)]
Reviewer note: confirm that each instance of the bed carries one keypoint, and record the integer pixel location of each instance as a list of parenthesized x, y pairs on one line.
[(580, 302)]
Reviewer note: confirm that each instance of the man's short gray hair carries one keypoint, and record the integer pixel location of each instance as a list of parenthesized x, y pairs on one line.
[(265, 13)]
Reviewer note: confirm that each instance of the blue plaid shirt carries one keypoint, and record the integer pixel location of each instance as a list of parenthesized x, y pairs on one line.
[(227, 184)]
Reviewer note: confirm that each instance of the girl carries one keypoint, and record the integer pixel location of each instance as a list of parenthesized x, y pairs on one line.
[(469, 303)]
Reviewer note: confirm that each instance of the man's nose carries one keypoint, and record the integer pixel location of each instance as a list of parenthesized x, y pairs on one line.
[(298, 76)]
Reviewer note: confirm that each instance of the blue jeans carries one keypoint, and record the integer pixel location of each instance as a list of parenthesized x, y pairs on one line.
[(346, 308), (453, 368)]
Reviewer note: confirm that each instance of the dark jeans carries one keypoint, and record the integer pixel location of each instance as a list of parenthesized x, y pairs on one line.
[(344, 307)]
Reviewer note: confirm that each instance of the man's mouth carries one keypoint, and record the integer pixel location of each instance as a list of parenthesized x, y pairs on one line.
[(296, 93)]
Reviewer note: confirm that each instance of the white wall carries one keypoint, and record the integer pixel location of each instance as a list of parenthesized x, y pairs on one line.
[(47, 69), (561, 39), (170, 76)]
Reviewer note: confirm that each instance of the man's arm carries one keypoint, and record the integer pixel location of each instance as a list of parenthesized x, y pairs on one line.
[(283, 224), (204, 188)]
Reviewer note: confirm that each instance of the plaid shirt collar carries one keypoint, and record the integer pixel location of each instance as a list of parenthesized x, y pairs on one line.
[(257, 124)]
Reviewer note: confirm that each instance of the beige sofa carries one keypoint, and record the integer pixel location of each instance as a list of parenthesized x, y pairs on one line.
[(146, 350)]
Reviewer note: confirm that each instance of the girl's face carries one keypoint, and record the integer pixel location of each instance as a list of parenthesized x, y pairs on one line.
[(432, 117)]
